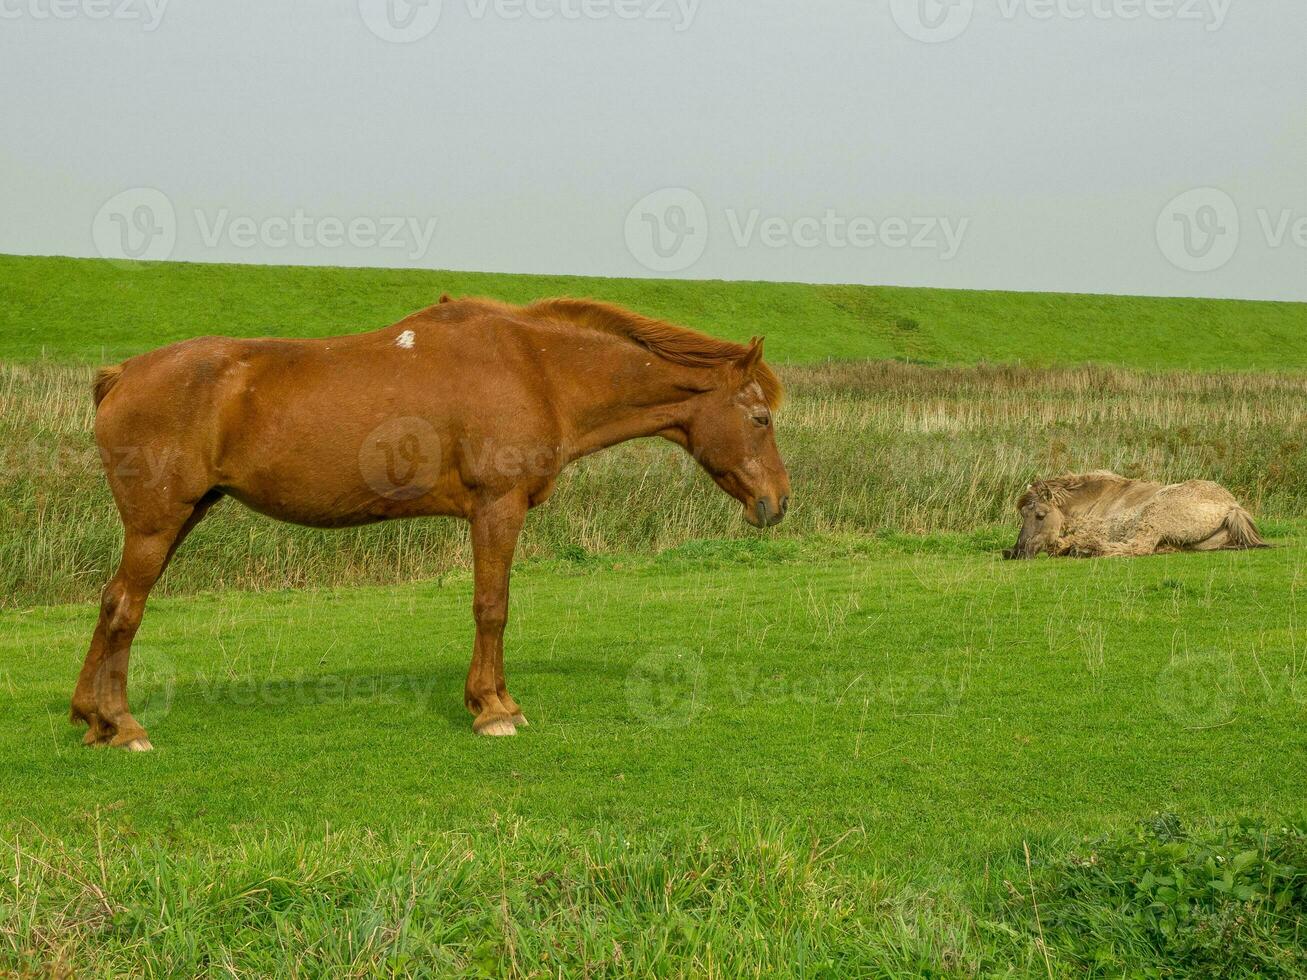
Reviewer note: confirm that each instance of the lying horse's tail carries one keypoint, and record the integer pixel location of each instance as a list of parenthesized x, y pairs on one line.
[(105, 379), (1241, 532)]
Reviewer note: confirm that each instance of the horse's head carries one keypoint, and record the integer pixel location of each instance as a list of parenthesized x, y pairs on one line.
[(1041, 523), (729, 431)]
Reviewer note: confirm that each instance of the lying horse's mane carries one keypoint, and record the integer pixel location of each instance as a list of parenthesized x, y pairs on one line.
[(1059, 489), (679, 345)]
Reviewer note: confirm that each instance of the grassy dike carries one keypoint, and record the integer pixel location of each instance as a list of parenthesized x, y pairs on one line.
[(98, 311)]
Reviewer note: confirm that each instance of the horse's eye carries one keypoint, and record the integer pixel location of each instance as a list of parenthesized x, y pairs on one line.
[(763, 420)]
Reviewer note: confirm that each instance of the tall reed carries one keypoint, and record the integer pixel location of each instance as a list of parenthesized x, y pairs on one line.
[(871, 446)]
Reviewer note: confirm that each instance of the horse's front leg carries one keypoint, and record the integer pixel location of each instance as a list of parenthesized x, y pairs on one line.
[(495, 527)]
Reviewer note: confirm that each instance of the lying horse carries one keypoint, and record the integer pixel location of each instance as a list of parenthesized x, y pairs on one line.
[(1098, 514), (469, 409)]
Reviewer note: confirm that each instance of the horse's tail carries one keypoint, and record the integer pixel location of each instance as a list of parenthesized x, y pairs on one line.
[(105, 379), (1241, 532)]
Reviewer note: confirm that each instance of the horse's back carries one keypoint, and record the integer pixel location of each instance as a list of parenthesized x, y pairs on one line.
[(1118, 498), (1200, 490), (182, 379)]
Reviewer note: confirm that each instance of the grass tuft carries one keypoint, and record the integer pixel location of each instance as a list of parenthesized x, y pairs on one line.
[(1161, 899)]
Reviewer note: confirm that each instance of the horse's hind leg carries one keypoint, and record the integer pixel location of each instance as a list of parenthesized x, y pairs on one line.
[(1218, 541), (100, 699)]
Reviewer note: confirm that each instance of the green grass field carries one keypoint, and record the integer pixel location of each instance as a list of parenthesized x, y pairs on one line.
[(922, 714), (819, 751)]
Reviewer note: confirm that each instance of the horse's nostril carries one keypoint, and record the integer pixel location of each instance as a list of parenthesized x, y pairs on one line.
[(785, 504)]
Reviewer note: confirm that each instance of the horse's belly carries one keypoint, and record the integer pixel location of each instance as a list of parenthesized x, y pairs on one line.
[(348, 483), (314, 511)]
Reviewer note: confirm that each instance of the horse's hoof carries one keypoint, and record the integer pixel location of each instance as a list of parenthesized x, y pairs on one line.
[(132, 739), (495, 727), (520, 721)]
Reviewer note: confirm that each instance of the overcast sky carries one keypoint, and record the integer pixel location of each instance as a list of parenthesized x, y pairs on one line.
[(1125, 146)]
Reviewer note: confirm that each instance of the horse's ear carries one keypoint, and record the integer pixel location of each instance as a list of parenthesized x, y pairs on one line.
[(752, 357), (446, 298)]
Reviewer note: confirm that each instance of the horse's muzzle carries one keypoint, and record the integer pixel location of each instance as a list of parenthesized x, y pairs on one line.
[(767, 512)]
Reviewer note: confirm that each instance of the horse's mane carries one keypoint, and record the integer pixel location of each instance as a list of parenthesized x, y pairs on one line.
[(1059, 489), (679, 345)]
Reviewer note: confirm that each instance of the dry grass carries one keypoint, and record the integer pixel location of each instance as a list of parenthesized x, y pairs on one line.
[(871, 447)]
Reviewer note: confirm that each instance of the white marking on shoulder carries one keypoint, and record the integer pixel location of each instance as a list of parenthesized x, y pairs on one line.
[(405, 340)]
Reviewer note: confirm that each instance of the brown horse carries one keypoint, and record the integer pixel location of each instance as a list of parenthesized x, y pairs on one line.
[(469, 409)]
